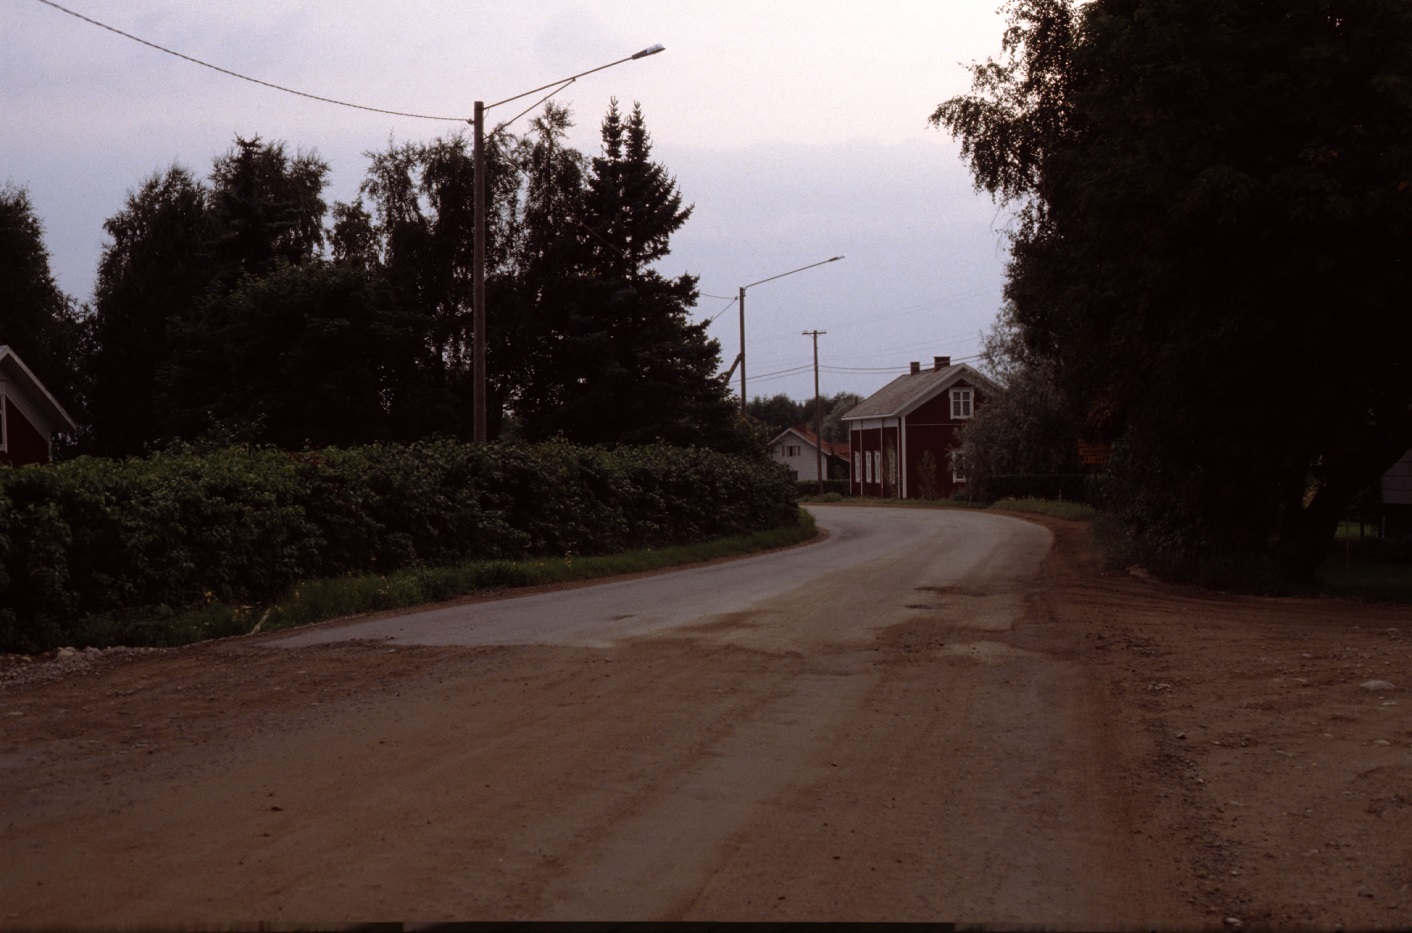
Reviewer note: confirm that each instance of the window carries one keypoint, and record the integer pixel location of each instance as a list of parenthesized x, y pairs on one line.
[(791, 450), (858, 465), (958, 467), (961, 403)]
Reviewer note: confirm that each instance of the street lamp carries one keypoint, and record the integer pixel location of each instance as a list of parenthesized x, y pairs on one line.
[(740, 360), (478, 259)]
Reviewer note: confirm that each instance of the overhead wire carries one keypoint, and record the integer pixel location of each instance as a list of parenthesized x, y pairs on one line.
[(236, 74), (447, 119), (730, 303)]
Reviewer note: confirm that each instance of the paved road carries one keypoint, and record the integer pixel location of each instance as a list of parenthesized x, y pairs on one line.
[(878, 566), (875, 727)]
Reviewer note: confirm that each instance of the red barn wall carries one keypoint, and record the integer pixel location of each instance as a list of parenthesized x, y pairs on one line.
[(24, 443), (929, 427), (867, 442)]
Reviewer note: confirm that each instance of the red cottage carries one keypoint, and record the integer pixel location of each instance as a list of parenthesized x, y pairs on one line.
[(29, 415), (903, 436)]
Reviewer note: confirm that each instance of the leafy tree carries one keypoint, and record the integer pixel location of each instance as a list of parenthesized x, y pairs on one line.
[(1214, 203), (838, 406), (266, 207), (353, 239), (779, 411), (154, 272), (306, 355), (627, 364), (37, 320), (419, 235), (1027, 428), (177, 247)]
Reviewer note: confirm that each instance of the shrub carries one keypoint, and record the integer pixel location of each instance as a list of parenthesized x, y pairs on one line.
[(810, 487), (92, 545)]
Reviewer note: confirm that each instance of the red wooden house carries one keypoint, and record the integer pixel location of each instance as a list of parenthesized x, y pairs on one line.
[(29, 415), (903, 437)]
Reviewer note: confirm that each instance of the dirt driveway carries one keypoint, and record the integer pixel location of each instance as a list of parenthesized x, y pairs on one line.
[(1120, 752)]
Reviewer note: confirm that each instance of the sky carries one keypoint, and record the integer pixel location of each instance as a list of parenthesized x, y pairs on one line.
[(797, 129)]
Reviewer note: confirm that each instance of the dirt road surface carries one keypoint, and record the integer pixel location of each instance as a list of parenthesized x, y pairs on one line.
[(933, 715)]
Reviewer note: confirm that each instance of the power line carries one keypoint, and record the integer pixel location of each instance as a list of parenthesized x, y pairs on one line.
[(780, 374), (974, 292), (234, 74), (889, 369), (730, 303)]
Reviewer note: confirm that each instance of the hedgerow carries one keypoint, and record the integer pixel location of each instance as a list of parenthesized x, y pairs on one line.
[(126, 541)]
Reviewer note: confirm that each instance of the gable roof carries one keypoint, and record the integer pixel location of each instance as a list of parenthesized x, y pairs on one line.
[(832, 448), (906, 392), (33, 396)]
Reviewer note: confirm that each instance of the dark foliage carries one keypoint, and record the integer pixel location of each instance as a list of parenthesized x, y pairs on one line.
[(37, 320), (127, 540), (1215, 200)]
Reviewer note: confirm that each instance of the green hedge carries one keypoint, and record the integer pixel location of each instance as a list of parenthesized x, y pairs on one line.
[(810, 487), (1067, 487), (133, 538)]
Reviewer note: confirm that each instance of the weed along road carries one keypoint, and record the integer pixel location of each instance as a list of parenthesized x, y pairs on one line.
[(883, 725)]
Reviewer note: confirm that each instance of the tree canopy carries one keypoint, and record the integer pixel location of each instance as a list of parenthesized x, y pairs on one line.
[(779, 411), (1214, 200), (37, 320), (243, 305)]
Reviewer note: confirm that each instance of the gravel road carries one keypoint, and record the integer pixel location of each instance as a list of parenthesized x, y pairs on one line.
[(931, 715)]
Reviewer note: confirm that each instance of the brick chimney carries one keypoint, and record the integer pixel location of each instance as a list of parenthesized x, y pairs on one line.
[(916, 367), (941, 362)]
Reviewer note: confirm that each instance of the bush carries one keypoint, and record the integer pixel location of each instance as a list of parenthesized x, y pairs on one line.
[(93, 546), (1068, 487), (810, 487)]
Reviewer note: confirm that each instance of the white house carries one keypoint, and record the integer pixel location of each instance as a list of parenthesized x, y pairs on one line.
[(798, 448)]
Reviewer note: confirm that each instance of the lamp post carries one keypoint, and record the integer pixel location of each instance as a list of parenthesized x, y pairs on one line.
[(478, 254), (818, 414), (740, 360)]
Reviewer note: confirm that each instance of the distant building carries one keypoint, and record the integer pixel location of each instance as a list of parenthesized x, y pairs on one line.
[(904, 436), (1397, 497), (29, 415), (798, 448)]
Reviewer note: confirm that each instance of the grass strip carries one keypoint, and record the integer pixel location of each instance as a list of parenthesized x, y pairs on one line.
[(1351, 573), (1054, 508), (320, 600)]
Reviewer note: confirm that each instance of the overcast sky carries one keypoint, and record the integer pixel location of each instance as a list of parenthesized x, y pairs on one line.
[(797, 128)]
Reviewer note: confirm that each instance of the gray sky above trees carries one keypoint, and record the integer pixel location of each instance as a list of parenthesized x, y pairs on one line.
[(797, 128)]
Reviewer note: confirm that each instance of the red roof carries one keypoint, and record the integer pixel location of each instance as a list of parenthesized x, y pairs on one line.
[(832, 448)]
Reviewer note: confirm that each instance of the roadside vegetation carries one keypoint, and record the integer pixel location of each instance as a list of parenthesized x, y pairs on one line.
[(1364, 566), (1054, 508), (321, 600), (1195, 186), (1358, 566), (115, 550), (275, 392)]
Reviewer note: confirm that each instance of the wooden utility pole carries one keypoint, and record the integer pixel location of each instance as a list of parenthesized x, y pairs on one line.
[(818, 413)]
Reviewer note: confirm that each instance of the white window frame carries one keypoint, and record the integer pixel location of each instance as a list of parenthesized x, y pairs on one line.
[(958, 467), (963, 403)]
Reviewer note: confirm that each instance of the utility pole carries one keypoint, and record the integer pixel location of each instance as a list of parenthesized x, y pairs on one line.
[(740, 360), (818, 413), (478, 416)]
